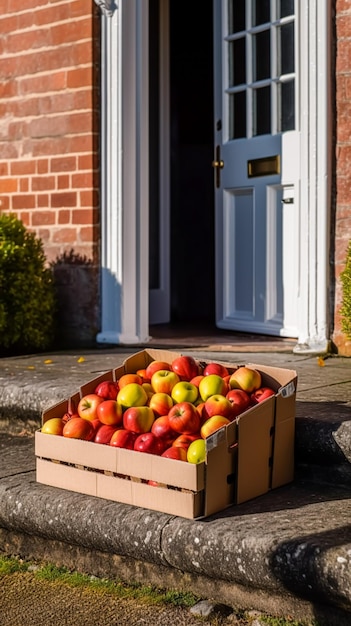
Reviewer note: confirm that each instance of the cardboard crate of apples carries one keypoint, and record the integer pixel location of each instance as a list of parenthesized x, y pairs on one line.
[(174, 434)]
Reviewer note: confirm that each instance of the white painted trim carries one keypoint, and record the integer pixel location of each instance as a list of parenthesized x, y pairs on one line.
[(160, 299), (124, 171), (315, 115), (107, 6)]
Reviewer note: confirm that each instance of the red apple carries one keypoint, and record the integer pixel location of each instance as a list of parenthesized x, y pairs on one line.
[(217, 405), (142, 373), (71, 411), (239, 399), (154, 483), (162, 429), (68, 416), (123, 438), (132, 395), (125, 379), (200, 409), (110, 412), (184, 418), (212, 384), (196, 380), (160, 403), (138, 419), (148, 442), (87, 406), (79, 428), (104, 433), (107, 390), (215, 368), (184, 392), (213, 424), (96, 423), (154, 366), (53, 426), (262, 393), (184, 441), (246, 378), (186, 367), (163, 381), (175, 452)]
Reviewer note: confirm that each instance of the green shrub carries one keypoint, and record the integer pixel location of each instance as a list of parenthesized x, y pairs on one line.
[(346, 301), (27, 291)]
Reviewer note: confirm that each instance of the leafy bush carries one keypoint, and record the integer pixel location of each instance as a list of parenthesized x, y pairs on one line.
[(346, 302), (27, 291)]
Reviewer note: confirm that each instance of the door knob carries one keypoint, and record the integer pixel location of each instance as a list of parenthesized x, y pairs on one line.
[(218, 165)]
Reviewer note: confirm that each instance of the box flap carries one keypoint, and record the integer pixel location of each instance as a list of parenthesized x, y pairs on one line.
[(220, 476), (59, 409), (275, 377), (141, 359), (283, 453), (286, 403), (91, 385), (255, 436)]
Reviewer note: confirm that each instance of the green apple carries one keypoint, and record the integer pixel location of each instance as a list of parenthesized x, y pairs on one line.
[(184, 392), (211, 385), (196, 452), (132, 395)]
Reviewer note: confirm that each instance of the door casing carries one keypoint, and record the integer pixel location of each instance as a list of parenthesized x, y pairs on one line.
[(124, 287)]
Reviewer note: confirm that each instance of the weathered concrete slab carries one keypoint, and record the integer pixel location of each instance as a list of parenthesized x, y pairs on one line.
[(295, 541), (288, 550)]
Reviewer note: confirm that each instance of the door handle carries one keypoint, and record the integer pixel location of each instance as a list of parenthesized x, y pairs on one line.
[(218, 164)]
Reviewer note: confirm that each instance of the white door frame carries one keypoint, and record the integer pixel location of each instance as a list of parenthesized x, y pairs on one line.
[(124, 164), (124, 172), (315, 182)]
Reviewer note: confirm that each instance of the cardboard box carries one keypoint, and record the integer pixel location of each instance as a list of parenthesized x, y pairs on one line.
[(247, 458)]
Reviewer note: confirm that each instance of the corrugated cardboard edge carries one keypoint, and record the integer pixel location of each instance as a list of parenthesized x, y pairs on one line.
[(139, 465), (182, 503), (277, 464)]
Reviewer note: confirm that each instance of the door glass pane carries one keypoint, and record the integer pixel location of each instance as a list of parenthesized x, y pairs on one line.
[(261, 12), (237, 62), (250, 62), (261, 43), (287, 106), (262, 111), (237, 108), (285, 8), (236, 16), (287, 48)]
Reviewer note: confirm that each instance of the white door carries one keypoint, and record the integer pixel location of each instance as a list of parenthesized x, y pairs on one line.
[(256, 165)]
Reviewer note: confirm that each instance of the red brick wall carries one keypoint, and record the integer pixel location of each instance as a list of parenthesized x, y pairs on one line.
[(49, 132), (343, 160)]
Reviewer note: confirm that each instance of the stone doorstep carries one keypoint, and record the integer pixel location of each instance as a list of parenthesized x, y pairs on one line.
[(286, 551)]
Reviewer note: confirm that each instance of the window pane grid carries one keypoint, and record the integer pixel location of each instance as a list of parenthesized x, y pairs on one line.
[(265, 68)]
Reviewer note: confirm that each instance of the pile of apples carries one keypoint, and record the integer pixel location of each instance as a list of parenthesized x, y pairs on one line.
[(168, 409)]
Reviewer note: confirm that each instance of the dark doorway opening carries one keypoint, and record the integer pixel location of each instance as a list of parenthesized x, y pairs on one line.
[(192, 191)]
